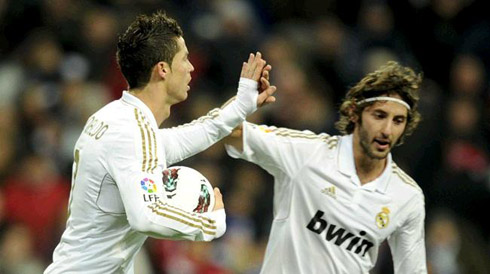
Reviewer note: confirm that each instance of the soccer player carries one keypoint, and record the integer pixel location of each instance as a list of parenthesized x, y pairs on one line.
[(337, 198), (116, 199)]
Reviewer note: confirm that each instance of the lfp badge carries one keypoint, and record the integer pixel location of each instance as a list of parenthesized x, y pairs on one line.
[(148, 185)]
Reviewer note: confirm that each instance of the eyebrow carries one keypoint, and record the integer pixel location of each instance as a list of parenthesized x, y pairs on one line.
[(384, 112)]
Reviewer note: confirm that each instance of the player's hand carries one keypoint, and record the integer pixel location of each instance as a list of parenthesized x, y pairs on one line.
[(218, 201), (266, 91), (252, 69)]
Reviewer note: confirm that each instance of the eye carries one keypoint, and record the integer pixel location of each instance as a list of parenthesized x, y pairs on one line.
[(379, 115), (399, 121)]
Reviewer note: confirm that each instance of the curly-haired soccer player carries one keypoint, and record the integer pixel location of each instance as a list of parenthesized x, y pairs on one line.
[(337, 198)]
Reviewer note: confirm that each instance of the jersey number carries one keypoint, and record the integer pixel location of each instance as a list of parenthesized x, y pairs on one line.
[(76, 163)]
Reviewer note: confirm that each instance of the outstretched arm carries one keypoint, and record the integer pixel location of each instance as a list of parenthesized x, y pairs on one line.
[(235, 139), (184, 141)]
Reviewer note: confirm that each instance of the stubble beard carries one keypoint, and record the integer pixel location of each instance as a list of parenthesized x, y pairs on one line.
[(367, 148)]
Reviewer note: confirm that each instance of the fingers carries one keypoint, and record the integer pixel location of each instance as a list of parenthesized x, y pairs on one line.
[(257, 69), (252, 61), (270, 91), (266, 97), (253, 68), (264, 79), (265, 84), (266, 70), (259, 65), (218, 202), (244, 69), (269, 100)]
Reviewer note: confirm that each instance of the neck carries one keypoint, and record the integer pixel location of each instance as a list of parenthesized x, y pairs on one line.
[(367, 167), (155, 99)]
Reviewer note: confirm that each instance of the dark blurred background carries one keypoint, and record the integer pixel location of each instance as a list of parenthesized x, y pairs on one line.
[(57, 67)]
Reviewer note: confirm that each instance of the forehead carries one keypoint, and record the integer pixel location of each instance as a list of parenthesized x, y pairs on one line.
[(181, 46), (390, 107)]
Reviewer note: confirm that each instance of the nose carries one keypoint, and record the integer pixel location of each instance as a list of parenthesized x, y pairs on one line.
[(192, 67), (387, 128)]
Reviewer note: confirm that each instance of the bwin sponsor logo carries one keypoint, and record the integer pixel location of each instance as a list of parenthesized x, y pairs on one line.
[(339, 235)]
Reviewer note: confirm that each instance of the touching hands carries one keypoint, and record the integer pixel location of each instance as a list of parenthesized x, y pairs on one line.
[(257, 69)]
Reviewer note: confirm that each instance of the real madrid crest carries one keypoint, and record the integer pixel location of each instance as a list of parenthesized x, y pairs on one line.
[(383, 218)]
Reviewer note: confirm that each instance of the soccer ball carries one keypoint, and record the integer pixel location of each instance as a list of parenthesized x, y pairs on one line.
[(187, 189)]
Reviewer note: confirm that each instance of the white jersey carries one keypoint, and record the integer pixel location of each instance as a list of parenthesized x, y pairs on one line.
[(116, 198), (325, 221)]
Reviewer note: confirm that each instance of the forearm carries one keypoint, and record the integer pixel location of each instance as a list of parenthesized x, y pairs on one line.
[(184, 141), (162, 220)]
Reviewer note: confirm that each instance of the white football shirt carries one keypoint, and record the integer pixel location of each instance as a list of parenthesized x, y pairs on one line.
[(325, 221), (116, 199)]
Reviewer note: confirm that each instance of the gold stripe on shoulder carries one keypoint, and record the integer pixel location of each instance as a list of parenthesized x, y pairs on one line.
[(210, 115), (295, 133), (156, 150), (181, 221), (331, 141), (404, 177), (151, 144), (143, 140)]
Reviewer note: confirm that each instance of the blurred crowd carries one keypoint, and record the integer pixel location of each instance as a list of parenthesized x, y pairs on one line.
[(57, 67)]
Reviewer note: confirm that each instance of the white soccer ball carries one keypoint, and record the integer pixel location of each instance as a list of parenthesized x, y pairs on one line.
[(187, 189)]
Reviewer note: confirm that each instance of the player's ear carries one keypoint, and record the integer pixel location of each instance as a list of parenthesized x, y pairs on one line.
[(354, 118), (161, 69), (352, 111)]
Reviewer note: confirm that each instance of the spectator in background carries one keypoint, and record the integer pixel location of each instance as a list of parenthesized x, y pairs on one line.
[(336, 54), (300, 91), (36, 197), (468, 77), (8, 134), (17, 252), (465, 163), (377, 34), (454, 246)]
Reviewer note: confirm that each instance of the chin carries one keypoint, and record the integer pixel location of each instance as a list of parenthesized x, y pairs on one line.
[(381, 155), (184, 96)]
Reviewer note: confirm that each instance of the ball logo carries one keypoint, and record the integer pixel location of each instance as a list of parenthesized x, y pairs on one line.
[(148, 185), (170, 180), (204, 200)]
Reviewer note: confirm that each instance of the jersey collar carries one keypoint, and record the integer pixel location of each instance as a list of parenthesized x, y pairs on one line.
[(346, 165), (134, 101)]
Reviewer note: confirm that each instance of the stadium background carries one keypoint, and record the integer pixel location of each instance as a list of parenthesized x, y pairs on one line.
[(57, 67)]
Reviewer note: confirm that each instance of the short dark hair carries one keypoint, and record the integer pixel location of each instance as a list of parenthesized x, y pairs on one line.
[(147, 41), (392, 78)]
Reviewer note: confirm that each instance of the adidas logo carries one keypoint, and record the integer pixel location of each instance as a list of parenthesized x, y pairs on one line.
[(330, 191)]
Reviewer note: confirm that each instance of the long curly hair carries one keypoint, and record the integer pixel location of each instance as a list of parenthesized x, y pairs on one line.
[(392, 78)]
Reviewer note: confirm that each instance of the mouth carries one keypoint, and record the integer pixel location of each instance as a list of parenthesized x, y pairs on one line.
[(382, 144)]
